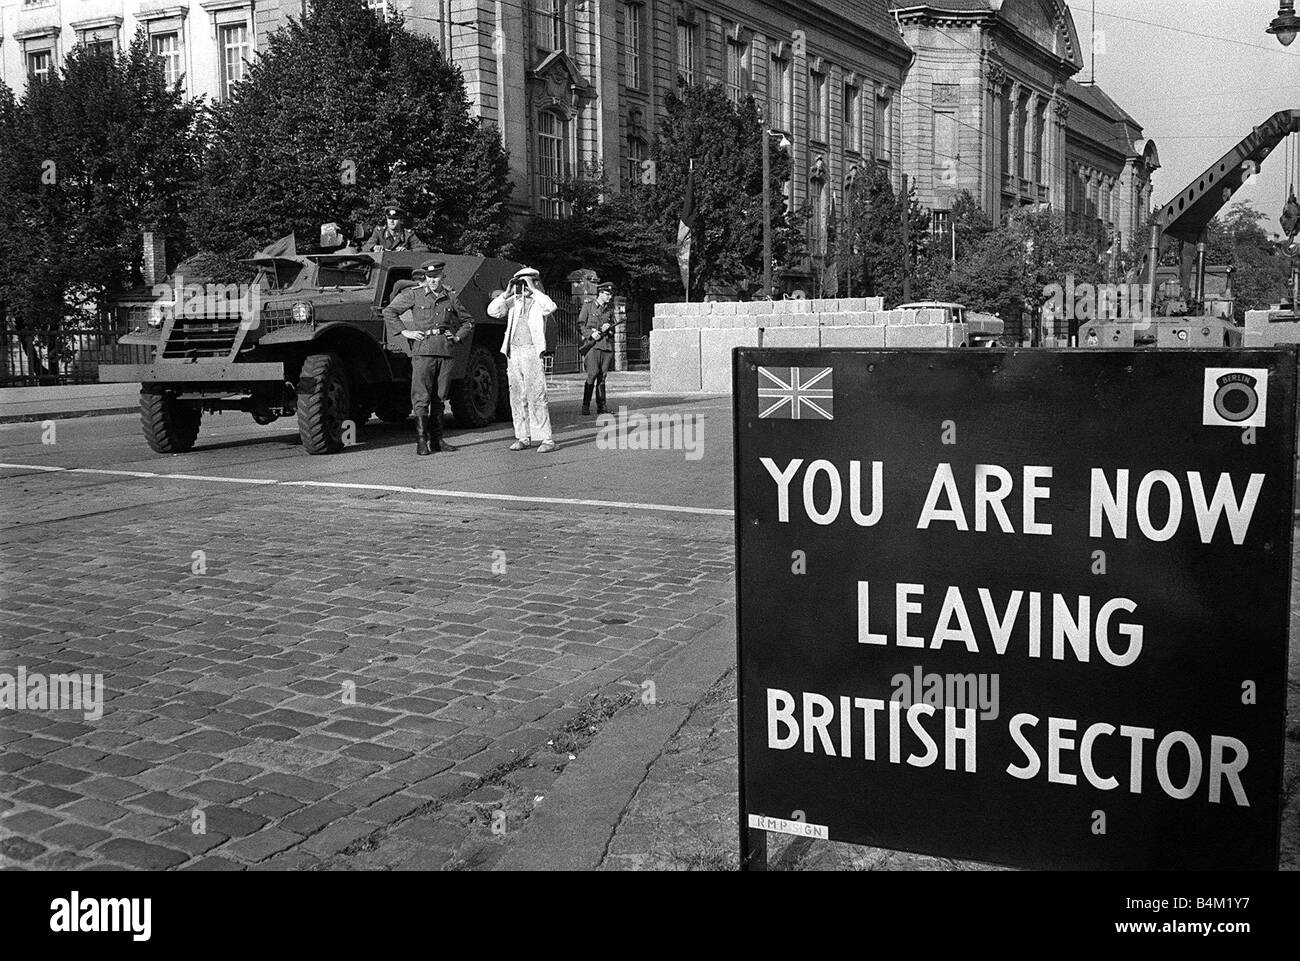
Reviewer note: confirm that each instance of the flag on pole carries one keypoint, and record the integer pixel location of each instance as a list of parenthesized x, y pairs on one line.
[(686, 230)]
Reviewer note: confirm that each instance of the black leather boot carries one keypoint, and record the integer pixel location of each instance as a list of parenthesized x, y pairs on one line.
[(422, 435), (600, 397), (586, 397), (436, 442)]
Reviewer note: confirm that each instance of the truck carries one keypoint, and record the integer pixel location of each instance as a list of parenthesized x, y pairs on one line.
[(306, 339), (1184, 221)]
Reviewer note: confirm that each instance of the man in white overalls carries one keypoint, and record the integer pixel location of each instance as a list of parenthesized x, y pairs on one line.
[(526, 307)]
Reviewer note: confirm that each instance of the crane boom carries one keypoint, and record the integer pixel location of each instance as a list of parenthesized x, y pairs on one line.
[(1187, 216)]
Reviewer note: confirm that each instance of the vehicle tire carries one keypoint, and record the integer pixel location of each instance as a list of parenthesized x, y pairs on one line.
[(475, 396), (394, 405), (503, 388), (170, 425), (324, 402)]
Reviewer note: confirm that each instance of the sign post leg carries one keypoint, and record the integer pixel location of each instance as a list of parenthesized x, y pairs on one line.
[(753, 848)]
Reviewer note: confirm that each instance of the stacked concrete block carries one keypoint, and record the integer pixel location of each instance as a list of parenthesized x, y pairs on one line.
[(675, 361), (919, 335), (715, 355), (860, 337), (791, 337)]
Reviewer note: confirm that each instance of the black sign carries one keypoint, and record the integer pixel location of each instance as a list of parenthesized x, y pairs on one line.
[(1027, 608)]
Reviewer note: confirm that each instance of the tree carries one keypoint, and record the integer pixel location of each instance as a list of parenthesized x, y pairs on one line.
[(343, 113), (968, 225), (629, 237), (870, 236), (616, 235), (1262, 267), (92, 153), (1012, 269), (724, 139)]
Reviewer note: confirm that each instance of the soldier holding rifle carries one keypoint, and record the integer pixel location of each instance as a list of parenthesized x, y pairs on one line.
[(596, 321)]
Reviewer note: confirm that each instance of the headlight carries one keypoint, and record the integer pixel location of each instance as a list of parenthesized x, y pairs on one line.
[(301, 313), (1182, 335)]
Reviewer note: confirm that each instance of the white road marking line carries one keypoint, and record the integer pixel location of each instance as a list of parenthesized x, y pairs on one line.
[(223, 480), (115, 473), (522, 498), (399, 489)]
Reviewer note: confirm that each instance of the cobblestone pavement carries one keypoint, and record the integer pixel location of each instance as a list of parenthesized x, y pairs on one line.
[(340, 679)]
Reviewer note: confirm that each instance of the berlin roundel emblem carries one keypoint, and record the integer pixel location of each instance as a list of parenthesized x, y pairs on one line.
[(1235, 397)]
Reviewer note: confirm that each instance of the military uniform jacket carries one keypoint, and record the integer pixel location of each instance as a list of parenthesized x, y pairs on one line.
[(404, 238), (593, 317), (440, 314)]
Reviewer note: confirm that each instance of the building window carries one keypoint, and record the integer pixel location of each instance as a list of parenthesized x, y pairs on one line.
[(852, 121), (817, 219), (632, 44), (736, 52), (552, 162), (686, 47), (235, 49), (780, 94), (882, 128), (818, 122), (636, 153), (945, 149), (40, 63), (548, 24), (166, 47)]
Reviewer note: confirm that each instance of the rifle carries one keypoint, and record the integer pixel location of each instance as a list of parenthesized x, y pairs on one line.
[(589, 342)]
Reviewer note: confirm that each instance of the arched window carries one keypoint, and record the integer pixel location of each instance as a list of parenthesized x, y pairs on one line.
[(553, 161)]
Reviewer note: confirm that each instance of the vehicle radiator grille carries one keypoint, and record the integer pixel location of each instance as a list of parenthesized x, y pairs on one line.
[(201, 337), (273, 318)]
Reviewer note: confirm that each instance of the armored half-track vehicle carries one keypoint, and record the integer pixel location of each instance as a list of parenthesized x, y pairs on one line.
[(305, 339)]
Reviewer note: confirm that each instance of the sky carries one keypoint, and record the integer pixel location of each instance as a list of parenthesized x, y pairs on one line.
[(1196, 96)]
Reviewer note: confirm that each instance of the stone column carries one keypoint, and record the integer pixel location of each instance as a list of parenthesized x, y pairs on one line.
[(1058, 176)]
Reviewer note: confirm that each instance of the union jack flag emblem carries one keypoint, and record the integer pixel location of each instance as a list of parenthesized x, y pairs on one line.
[(796, 393)]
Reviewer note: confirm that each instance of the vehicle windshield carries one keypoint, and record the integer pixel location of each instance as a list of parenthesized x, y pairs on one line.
[(343, 273), (279, 274)]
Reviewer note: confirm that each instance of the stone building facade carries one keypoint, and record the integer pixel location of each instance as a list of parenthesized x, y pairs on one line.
[(568, 83), (205, 45), (991, 106)]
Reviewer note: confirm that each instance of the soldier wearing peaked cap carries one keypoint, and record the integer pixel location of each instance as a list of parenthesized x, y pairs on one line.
[(596, 321), (437, 322), (394, 235)]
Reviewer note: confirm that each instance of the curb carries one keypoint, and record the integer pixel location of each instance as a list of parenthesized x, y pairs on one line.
[(572, 829), (66, 414)]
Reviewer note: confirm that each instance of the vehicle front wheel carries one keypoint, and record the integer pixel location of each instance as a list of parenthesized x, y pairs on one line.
[(474, 397), (170, 425), (324, 403)]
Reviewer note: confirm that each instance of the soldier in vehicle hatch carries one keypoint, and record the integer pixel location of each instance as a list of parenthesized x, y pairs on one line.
[(394, 235), (438, 322)]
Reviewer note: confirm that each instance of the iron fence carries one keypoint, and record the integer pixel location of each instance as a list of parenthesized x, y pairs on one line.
[(41, 355)]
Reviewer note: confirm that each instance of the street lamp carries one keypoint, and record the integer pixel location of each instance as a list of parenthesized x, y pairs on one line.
[(1286, 25)]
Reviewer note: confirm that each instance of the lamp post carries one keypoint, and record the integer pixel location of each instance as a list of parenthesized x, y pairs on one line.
[(767, 201), (1286, 25)]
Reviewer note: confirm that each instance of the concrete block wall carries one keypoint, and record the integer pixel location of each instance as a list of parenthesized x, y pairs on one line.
[(691, 344)]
